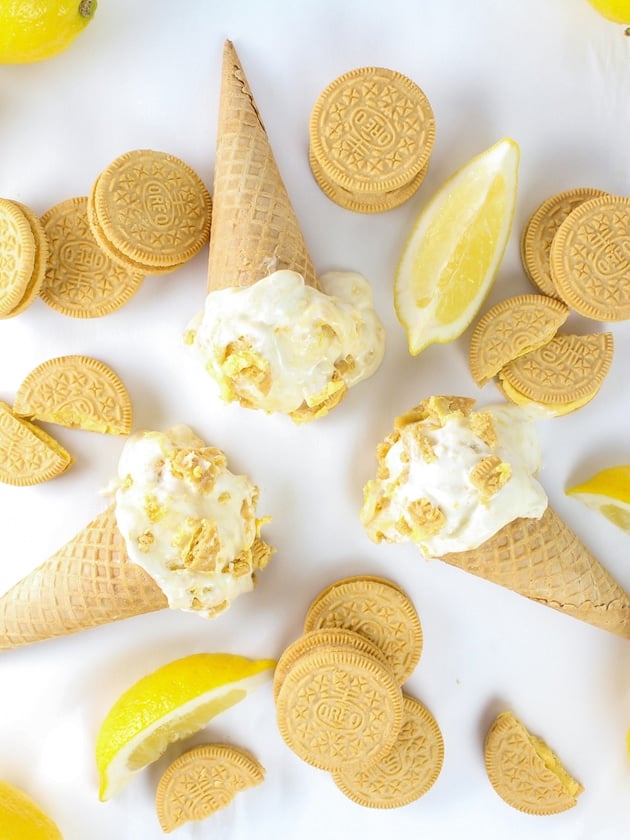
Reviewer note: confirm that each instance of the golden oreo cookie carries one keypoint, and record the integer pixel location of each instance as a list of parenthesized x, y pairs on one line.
[(377, 609), (81, 281), (329, 638), (562, 376), (202, 781), (405, 773), (541, 229), (524, 771), (27, 454), (39, 264), (371, 134), (78, 392), (590, 259), (511, 328), (17, 256), (339, 707), (150, 210)]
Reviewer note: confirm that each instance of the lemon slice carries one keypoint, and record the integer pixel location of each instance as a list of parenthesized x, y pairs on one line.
[(607, 492), (23, 819), (173, 702), (455, 248)]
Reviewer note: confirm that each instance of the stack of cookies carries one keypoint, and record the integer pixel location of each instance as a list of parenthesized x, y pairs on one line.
[(148, 212), (574, 249), (340, 705), (371, 135)]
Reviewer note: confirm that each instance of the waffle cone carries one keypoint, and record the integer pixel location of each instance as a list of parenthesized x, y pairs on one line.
[(254, 228), (88, 582), (544, 560)]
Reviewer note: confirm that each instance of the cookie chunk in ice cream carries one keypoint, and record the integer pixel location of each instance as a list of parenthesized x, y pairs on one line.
[(187, 520), (450, 476), (281, 345)]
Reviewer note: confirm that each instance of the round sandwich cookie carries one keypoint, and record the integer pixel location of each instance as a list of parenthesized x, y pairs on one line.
[(39, 263), (509, 329), (17, 256), (562, 375), (377, 609), (150, 211), (406, 772), (540, 230), (81, 280), (590, 259), (202, 781), (524, 771), (371, 135), (78, 392), (339, 707)]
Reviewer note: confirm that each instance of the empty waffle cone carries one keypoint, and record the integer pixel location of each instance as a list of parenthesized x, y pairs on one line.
[(544, 560), (254, 228), (89, 582)]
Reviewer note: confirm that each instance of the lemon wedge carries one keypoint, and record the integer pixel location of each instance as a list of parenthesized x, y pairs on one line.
[(173, 702), (453, 253), (607, 492), (23, 819)]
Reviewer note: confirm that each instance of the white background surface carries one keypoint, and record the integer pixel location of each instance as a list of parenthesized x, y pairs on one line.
[(550, 73)]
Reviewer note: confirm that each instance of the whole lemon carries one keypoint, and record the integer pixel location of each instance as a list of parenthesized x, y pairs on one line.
[(615, 10), (32, 30)]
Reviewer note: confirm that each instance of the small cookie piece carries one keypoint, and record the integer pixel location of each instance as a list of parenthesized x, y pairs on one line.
[(371, 135), (525, 772), (78, 392), (590, 259), (17, 256), (27, 454), (377, 609), (562, 376), (331, 637), (339, 707), (81, 281), (150, 211), (541, 229), (511, 328), (202, 781), (407, 772)]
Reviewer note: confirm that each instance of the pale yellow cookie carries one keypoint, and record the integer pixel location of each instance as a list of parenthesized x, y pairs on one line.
[(39, 264), (377, 609), (150, 210), (202, 781), (590, 258), (406, 772), (561, 376), (511, 328), (81, 280), (339, 707), (78, 392), (525, 772), (27, 454), (17, 256), (540, 230)]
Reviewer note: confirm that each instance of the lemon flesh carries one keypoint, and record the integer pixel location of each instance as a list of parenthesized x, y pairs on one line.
[(172, 703), (616, 10), (455, 248), (22, 819), (608, 493), (33, 30)]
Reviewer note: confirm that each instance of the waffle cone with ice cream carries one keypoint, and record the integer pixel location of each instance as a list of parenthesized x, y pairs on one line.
[(94, 579), (254, 227), (460, 483)]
